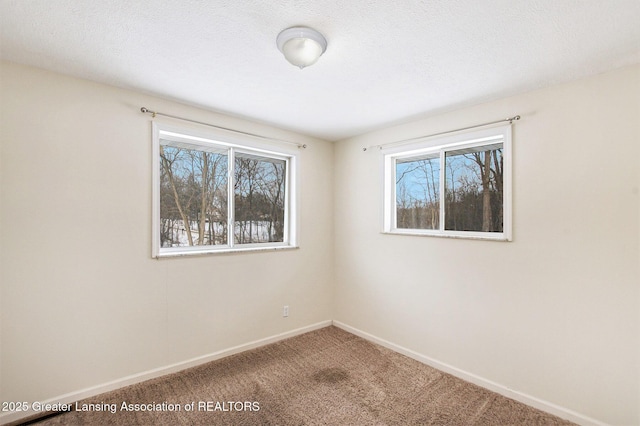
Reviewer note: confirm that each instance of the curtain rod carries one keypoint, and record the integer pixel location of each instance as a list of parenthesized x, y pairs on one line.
[(510, 120), (155, 113)]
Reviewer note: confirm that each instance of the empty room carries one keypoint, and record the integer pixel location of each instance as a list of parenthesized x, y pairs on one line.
[(320, 212)]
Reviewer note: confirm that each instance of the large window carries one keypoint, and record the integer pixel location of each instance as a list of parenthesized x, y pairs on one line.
[(215, 194), (458, 186)]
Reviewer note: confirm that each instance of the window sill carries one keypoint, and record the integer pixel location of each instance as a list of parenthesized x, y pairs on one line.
[(460, 236), (206, 252)]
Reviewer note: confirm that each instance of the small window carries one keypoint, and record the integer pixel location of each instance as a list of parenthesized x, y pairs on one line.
[(458, 186), (213, 194)]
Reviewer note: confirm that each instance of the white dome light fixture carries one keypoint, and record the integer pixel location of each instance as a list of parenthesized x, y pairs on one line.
[(301, 46)]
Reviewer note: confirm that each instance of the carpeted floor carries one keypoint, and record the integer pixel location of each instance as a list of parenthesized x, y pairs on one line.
[(325, 377)]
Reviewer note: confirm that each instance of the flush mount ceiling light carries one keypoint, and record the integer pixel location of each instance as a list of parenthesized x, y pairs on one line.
[(301, 46)]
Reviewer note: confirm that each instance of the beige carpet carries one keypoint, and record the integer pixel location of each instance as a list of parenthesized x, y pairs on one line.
[(325, 377)]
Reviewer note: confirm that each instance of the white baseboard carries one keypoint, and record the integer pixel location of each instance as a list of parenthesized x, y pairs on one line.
[(72, 397), (477, 380), (540, 404)]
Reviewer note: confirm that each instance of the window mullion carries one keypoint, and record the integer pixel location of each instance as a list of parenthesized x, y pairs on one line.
[(443, 170), (231, 198)]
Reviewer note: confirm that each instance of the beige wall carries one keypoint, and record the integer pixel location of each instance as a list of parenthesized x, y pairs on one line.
[(83, 303), (553, 314)]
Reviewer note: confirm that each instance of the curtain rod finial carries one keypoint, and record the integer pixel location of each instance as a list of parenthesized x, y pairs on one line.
[(147, 111)]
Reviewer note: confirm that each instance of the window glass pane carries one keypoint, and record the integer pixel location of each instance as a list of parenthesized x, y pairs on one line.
[(474, 189), (259, 196), (418, 192), (193, 195)]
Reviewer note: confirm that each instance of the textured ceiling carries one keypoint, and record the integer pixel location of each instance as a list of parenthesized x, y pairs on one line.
[(387, 61)]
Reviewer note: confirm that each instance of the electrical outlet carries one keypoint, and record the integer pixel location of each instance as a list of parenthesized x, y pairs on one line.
[(285, 311)]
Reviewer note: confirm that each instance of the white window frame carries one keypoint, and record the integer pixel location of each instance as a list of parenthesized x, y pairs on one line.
[(440, 146), (234, 143)]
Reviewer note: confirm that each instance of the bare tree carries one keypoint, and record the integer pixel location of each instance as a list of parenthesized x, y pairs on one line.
[(418, 194), (492, 187), (167, 163), (190, 184)]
